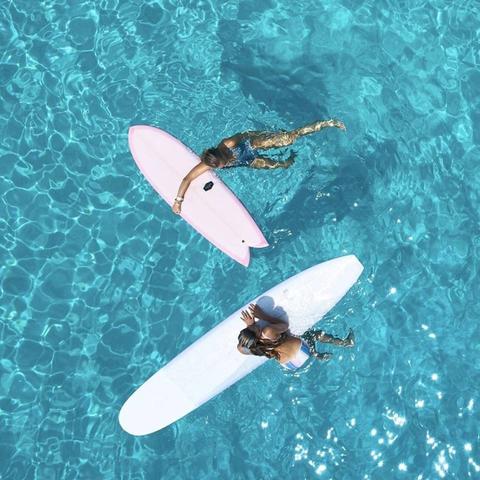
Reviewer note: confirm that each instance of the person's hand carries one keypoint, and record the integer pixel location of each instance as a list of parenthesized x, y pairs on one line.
[(255, 310), (177, 207), (247, 317)]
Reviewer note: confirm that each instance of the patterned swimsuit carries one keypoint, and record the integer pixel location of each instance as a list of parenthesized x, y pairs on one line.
[(244, 154), (300, 358)]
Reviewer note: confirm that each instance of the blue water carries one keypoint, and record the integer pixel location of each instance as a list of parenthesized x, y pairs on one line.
[(101, 284)]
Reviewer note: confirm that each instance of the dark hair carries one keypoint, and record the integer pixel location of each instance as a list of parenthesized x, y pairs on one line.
[(215, 157), (247, 337), (260, 347)]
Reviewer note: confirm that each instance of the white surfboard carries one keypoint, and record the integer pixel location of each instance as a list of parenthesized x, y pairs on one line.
[(213, 363)]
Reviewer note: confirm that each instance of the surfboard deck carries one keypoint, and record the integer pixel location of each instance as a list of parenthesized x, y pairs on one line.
[(213, 363), (209, 206)]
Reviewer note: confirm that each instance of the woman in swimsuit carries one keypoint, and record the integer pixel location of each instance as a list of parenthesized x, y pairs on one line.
[(241, 151), (270, 337)]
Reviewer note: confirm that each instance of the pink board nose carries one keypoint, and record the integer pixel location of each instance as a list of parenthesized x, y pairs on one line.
[(216, 213)]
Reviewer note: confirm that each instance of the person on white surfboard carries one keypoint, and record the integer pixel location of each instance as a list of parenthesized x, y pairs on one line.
[(240, 150), (270, 337)]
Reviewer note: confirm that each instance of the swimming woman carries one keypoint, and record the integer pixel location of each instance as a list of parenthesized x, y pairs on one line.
[(270, 337), (241, 150)]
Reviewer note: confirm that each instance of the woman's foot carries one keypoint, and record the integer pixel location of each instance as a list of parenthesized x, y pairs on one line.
[(349, 340), (335, 123), (290, 160)]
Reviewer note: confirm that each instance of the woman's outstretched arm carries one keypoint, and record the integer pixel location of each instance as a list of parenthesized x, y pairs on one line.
[(195, 172)]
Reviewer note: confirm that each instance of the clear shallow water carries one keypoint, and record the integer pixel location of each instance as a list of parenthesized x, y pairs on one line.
[(101, 285)]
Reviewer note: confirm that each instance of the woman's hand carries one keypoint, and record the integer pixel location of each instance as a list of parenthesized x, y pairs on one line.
[(177, 207), (256, 311), (247, 317)]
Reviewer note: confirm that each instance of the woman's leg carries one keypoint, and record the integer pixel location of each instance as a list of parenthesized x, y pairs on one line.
[(312, 336), (324, 356), (309, 338), (323, 337), (317, 126), (268, 163), (264, 140)]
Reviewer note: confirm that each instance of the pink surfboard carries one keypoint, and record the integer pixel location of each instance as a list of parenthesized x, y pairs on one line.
[(209, 206)]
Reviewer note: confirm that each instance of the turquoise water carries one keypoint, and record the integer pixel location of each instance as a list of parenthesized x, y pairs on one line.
[(101, 285)]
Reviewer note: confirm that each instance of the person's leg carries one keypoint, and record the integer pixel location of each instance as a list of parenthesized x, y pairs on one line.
[(268, 163), (324, 356), (283, 138), (309, 337), (265, 140), (317, 126), (323, 337)]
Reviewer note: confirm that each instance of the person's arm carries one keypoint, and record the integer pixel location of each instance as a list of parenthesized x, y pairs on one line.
[(256, 311), (247, 317), (273, 331), (195, 172), (275, 326)]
